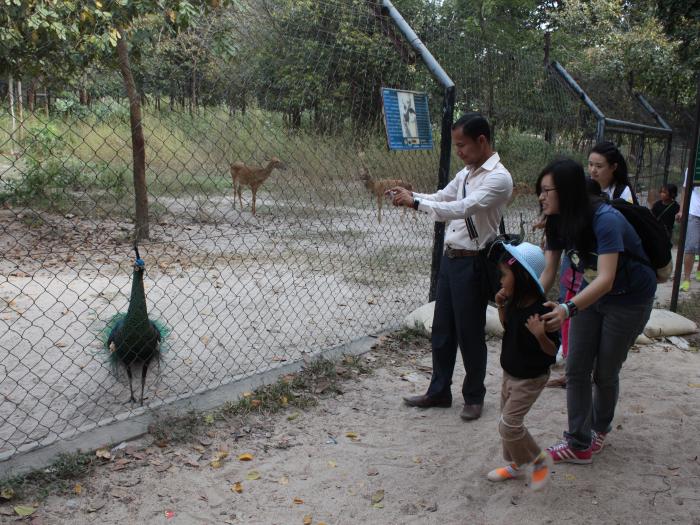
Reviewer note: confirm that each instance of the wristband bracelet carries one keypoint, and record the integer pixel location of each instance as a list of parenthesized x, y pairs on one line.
[(572, 308), (566, 310), (416, 203)]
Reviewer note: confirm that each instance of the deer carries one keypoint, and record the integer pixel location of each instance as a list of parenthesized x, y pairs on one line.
[(379, 187), (241, 174)]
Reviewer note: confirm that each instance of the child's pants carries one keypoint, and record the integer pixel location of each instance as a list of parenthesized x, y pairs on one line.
[(517, 397)]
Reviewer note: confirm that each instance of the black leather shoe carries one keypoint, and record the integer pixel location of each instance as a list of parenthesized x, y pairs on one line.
[(426, 401), (471, 412)]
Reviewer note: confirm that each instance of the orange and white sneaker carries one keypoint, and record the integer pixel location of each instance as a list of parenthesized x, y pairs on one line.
[(539, 473), (505, 473)]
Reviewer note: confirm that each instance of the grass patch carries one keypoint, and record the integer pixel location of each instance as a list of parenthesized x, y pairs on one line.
[(176, 429), (87, 158), (320, 377), (410, 334), (59, 477), (290, 391)]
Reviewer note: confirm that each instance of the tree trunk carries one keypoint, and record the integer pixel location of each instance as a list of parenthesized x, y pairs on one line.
[(31, 95), (11, 96), (138, 144), (193, 90), (20, 110)]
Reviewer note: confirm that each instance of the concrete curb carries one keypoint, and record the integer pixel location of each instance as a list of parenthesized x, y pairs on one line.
[(136, 426)]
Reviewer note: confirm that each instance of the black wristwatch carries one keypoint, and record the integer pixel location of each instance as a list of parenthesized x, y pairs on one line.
[(416, 202), (573, 309)]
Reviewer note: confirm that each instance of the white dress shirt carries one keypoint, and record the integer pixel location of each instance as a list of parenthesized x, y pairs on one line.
[(483, 198)]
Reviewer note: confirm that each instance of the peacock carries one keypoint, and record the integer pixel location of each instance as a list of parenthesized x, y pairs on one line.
[(134, 339)]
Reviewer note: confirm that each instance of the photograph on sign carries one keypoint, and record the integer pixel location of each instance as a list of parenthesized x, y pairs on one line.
[(409, 125), (407, 119)]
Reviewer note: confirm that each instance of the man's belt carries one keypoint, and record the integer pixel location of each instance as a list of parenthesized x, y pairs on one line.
[(454, 253)]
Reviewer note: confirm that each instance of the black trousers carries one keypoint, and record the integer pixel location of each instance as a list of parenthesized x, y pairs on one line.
[(460, 320)]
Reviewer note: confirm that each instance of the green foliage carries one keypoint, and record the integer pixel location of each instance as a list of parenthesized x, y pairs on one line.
[(526, 154), (341, 85), (615, 39), (43, 141), (69, 105), (50, 183)]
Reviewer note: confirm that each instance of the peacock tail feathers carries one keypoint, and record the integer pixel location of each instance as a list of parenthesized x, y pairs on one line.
[(119, 318)]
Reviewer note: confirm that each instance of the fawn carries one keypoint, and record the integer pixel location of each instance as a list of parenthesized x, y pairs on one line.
[(250, 176), (379, 187)]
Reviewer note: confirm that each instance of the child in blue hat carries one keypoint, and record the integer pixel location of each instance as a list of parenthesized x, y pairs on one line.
[(527, 352)]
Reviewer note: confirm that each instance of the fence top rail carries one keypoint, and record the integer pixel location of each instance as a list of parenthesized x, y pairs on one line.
[(432, 64), (578, 90), (619, 125), (623, 125), (649, 108)]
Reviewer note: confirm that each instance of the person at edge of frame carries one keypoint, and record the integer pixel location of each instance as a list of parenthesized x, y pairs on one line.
[(472, 204), (692, 234)]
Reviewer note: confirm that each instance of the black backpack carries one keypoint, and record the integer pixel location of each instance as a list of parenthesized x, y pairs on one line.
[(652, 233)]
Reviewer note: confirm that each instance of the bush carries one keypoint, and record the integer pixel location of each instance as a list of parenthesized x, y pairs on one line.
[(43, 141), (69, 105), (110, 111), (525, 154)]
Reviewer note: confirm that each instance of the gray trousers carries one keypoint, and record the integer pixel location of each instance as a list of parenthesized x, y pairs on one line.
[(599, 339)]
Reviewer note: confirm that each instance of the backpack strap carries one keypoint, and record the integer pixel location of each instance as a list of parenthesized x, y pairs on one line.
[(620, 189)]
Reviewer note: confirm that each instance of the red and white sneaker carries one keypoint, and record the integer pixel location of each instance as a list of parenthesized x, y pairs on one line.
[(597, 441), (563, 453)]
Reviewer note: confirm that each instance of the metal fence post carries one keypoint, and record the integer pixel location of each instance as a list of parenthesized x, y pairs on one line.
[(443, 177), (692, 166)]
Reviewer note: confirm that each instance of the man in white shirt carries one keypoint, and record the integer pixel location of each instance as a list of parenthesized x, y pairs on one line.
[(692, 235), (472, 204)]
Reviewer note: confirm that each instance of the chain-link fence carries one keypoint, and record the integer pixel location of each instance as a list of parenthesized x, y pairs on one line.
[(282, 100), (239, 292), (651, 157)]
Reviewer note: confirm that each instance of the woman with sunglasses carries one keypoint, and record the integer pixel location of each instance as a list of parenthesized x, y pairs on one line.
[(608, 312)]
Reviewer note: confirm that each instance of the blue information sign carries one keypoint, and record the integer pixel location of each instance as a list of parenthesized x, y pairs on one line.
[(407, 119)]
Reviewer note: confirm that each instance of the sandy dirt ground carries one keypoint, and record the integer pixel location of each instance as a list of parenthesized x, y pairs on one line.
[(364, 457)]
